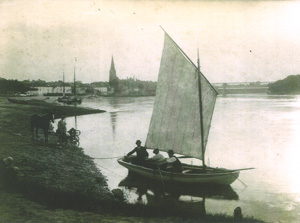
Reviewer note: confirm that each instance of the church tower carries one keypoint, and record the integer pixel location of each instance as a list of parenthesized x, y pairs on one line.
[(112, 71), (113, 79)]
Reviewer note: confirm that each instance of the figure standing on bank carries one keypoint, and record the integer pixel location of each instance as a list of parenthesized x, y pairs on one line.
[(62, 130)]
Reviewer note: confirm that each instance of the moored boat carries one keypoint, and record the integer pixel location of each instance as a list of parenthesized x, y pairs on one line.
[(181, 119), (66, 99), (190, 175)]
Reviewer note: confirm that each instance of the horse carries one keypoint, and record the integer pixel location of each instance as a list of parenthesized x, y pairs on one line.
[(42, 122)]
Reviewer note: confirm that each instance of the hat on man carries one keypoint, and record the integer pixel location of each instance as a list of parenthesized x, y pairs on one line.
[(156, 151)]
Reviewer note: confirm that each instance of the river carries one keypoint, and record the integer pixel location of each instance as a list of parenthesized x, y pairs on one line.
[(260, 131)]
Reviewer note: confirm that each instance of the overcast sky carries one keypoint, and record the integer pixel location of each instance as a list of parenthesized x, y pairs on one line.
[(238, 41)]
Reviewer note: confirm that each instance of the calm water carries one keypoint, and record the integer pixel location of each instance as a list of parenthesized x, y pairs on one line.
[(258, 131)]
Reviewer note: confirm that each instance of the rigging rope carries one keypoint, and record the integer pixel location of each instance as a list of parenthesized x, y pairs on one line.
[(116, 157), (242, 182), (110, 171)]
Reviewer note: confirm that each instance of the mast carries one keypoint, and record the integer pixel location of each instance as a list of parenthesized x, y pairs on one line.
[(75, 80), (201, 112), (64, 94)]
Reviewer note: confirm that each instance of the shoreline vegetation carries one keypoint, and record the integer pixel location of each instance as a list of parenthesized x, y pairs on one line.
[(288, 85), (59, 183)]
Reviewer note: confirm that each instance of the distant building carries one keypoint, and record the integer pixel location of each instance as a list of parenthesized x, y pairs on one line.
[(127, 87), (114, 81), (68, 90), (33, 92), (101, 90), (52, 90), (44, 90), (81, 90)]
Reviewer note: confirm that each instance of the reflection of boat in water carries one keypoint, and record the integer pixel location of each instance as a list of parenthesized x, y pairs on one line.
[(175, 198), (223, 192), (181, 118)]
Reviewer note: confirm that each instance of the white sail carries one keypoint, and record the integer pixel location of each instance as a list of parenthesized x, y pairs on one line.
[(175, 122)]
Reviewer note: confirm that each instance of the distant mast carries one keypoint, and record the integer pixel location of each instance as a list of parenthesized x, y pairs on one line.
[(64, 94), (75, 93)]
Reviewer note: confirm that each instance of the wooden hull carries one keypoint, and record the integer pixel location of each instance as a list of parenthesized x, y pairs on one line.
[(64, 100), (25, 102), (69, 100), (190, 175)]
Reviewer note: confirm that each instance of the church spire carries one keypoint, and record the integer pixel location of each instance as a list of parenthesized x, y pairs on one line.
[(113, 79), (112, 71), (112, 66)]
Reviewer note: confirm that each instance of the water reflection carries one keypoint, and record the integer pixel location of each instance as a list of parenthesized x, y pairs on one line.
[(260, 131), (178, 198), (75, 117), (113, 120)]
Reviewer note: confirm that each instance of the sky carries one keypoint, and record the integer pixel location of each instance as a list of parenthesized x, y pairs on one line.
[(238, 41)]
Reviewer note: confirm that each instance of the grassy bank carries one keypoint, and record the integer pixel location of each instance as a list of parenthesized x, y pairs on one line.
[(60, 183)]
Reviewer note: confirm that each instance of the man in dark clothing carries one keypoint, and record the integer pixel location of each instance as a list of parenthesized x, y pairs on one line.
[(141, 154), (174, 164), (62, 130)]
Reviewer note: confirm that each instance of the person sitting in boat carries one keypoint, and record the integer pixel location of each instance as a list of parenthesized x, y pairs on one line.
[(141, 154), (173, 163), (155, 161), (158, 156)]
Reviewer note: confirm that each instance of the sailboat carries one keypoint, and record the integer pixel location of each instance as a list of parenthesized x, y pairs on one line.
[(181, 118)]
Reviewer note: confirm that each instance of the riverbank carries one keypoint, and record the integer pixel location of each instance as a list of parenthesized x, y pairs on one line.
[(60, 183)]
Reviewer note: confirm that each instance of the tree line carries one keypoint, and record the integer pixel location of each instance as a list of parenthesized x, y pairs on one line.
[(15, 86), (12, 86), (289, 85)]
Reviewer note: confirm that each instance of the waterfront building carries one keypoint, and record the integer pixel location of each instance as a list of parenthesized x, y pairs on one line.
[(101, 90), (52, 90)]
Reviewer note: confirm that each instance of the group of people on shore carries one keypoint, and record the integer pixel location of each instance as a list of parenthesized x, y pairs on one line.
[(171, 164), (62, 132)]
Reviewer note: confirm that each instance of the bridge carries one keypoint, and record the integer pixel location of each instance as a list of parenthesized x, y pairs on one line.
[(242, 87)]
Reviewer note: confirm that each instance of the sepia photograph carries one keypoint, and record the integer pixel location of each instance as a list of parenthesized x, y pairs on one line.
[(180, 111)]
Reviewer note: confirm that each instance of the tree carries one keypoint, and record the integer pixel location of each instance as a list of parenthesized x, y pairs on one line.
[(289, 85)]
